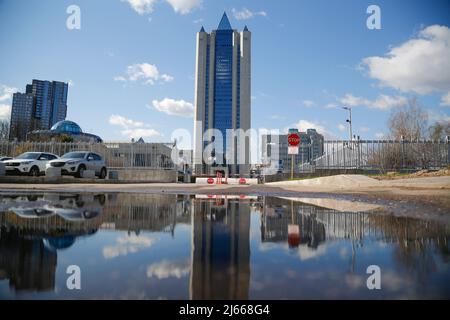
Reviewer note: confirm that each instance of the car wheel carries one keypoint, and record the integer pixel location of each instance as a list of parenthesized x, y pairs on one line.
[(34, 171), (80, 171), (102, 173)]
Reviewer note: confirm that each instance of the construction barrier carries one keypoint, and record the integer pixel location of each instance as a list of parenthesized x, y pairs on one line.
[(220, 180)]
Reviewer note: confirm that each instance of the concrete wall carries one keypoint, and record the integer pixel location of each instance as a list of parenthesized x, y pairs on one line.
[(144, 175)]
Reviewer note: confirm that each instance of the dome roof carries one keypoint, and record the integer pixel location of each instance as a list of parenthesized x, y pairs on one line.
[(66, 126)]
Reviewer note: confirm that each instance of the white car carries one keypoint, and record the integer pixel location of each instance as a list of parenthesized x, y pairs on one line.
[(76, 162), (29, 163)]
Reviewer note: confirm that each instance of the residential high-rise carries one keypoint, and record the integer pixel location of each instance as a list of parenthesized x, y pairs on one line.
[(21, 115), (49, 106), (222, 99)]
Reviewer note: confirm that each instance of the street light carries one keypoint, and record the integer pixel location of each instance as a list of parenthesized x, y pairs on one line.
[(349, 121)]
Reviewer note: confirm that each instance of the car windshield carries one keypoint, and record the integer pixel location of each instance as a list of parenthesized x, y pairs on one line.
[(74, 155), (29, 155)]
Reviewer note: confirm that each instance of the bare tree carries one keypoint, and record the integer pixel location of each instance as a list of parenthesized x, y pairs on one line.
[(439, 130), (4, 129), (409, 121)]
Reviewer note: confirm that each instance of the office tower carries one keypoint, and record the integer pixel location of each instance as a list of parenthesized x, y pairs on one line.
[(51, 102), (21, 115), (48, 103), (222, 98)]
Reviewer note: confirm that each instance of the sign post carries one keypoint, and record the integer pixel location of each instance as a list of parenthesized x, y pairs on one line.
[(293, 142)]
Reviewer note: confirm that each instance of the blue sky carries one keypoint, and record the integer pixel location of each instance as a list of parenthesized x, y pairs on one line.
[(131, 65)]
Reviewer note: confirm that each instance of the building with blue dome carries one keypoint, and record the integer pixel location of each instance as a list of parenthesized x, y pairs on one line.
[(62, 130)]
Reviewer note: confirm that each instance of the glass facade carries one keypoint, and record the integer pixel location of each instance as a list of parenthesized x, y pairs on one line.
[(223, 83), (21, 115), (59, 102), (51, 101), (46, 104), (67, 126)]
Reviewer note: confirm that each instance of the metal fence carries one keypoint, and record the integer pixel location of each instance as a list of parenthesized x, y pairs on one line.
[(116, 154), (384, 155)]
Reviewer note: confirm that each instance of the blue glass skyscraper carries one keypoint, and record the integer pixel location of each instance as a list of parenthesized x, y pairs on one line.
[(222, 97), (48, 106)]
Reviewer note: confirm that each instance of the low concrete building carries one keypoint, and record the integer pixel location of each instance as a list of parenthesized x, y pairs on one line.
[(274, 148)]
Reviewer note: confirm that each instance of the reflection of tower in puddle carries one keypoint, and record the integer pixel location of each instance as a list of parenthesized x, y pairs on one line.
[(285, 221), (220, 249), (26, 262)]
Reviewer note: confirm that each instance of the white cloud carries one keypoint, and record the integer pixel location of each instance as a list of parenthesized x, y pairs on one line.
[(141, 6), (331, 106), (148, 6), (184, 6), (174, 107), (197, 20), (146, 72), (141, 132), (364, 129), (308, 103), (419, 65), (383, 101), (6, 92), (124, 122), (126, 245), (438, 116), (167, 269), (166, 78), (245, 14), (303, 125), (341, 127), (5, 112), (132, 128), (120, 78), (445, 101)]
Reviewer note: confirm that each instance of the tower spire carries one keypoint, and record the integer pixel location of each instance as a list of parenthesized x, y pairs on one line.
[(224, 23)]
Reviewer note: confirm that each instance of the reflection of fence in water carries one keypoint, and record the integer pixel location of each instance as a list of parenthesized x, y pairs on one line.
[(327, 224), (384, 155)]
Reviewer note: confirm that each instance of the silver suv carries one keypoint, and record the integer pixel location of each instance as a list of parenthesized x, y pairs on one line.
[(76, 162)]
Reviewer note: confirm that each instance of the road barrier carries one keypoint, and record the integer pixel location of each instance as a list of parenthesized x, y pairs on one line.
[(232, 181)]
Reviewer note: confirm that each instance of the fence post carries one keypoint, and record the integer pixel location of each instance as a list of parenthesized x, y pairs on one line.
[(447, 140), (403, 151)]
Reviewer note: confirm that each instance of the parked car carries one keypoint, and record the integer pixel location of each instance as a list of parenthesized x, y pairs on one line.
[(2, 159), (76, 162), (29, 163)]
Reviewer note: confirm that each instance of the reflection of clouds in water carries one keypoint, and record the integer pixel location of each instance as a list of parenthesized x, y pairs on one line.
[(265, 246), (354, 281), (394, 282), (126, 245), (306, 253), (166, 269), (343, 253)]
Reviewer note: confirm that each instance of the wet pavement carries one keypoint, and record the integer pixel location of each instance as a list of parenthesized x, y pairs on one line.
[(169, 246)]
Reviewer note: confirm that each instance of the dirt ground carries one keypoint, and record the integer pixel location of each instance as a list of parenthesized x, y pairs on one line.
[(418, 174)]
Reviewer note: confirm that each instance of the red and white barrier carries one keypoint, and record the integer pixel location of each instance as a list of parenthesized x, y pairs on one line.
[(233, 181)]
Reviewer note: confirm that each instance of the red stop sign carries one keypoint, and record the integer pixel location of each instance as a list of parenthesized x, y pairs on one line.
[(242, 181), (210, 180), (293, 139)]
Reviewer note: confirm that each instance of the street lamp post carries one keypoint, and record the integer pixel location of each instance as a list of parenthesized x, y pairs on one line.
[(349, 120)]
